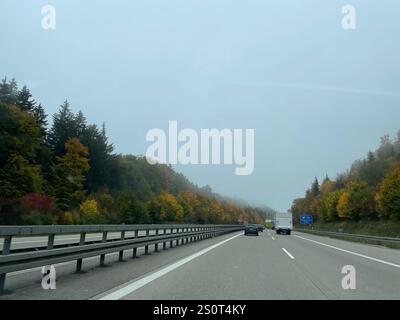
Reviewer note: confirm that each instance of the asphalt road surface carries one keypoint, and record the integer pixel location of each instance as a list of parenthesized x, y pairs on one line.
[(233, 266)]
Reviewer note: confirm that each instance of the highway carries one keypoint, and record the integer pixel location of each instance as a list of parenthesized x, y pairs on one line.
[(233, 266)]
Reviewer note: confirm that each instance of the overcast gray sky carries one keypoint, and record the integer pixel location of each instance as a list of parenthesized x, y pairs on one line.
[(317, 96)]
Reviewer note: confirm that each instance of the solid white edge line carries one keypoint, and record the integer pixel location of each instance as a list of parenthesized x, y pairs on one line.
[(133, 286), (288, 253), (352, 252)]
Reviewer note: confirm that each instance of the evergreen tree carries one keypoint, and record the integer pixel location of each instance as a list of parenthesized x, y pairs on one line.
[(315, 189), (63, 129), (8, 91), (24, 100), (100, 157), (80, 124), (41, 119)]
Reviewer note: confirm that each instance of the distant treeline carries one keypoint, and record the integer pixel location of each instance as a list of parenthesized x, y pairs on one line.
[(370, 190), (68, 173)]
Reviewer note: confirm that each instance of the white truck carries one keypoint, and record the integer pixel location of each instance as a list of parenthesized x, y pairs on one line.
[(283, 223)]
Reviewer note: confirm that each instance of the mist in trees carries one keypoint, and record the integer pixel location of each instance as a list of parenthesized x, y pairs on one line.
[(68, 173), (369, 190)]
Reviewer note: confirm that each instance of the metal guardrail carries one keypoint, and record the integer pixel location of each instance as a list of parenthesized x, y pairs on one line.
[(350, 235), (26, 258)]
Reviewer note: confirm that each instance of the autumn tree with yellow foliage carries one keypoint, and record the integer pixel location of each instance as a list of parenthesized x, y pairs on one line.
[(72, 165), (388, 196), (70, 174), (370, 190)]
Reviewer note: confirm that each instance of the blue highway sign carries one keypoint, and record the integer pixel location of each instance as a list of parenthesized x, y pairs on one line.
[(306, 219)]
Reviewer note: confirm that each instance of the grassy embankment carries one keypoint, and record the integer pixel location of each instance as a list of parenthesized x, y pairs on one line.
[(374, 228)]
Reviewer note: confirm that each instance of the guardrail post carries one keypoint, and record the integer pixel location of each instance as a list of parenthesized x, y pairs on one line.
[(177, 240), (185, 239), (103, 256), (134, 255), (50, 242), (2, 282), (156, 245), (171, 243), (164, 243), (6, 250), (79, 261), (121, 253), (182, 239), (146, 248)]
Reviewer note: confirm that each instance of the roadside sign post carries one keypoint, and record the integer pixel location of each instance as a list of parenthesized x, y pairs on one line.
[(307, 220)]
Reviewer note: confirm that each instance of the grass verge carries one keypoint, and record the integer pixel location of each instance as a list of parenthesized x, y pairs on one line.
[(373, 228)]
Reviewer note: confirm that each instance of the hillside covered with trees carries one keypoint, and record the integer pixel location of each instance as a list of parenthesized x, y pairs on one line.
[(368, 191), (68, 173)]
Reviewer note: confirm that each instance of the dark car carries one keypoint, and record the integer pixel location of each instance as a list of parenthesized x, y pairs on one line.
[(251, 229)]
